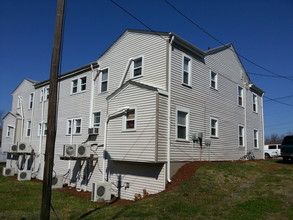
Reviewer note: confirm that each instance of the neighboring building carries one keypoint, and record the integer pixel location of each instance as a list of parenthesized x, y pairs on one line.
[(151, 93)]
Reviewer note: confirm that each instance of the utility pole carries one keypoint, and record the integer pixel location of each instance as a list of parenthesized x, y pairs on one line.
[(52, 112)]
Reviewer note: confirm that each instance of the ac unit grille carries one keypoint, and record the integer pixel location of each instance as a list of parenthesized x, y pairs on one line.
[(101, 191), (22, 146), (8, 172), (54, 180), (14, 148), (23, 175), (81, 150), (70, 151)]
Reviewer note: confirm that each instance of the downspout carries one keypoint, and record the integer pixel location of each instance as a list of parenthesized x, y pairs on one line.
[(169, 112), (105, 136), (92, 94), (22, 118), (263, 126), (245, 119), (42, 121)]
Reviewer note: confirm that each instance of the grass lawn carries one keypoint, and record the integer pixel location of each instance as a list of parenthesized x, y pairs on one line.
[(251, 190)]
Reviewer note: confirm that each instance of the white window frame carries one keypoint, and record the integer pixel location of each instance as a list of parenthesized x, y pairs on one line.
[(96, 125), (31, 100), (18, 102), (134, 68), (78, 85), (241, 134), (103, 81), (240, 96), (255, 138), (10, 128), (73, 126), (215, 80), (187, 111), (254, 103), (216, 135), (44, 94), (28, 128), (125, 120), (189, 71), (42, 129)]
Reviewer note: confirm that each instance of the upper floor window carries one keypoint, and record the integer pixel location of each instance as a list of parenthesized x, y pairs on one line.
[(78, 85), (241, 136), (130, 120), (18, 102), (74, 126), (42, 129), (104, 80), (186, 78), (137, 67), (31, 101), (214, 80), (9, 132), (182, 123), (255, 138), (240, 96), (254, 103), (97, 119), (28, 128), (214, 127), (44, 94)]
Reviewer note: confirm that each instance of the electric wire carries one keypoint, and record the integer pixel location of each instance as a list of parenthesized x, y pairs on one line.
[(284, 97), (220, 42), (265, 75)]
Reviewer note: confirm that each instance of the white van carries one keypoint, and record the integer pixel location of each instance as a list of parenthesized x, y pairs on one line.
[(272, 150)]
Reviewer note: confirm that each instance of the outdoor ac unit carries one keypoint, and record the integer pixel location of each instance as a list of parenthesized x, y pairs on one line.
[(93, 131), (13, 148), (24, 148), (83, 150), (24, 175), (101, 192), (8, 171), (57, 182), (69, 150)]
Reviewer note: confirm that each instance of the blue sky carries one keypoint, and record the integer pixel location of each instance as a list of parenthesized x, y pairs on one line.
[(260, 30)]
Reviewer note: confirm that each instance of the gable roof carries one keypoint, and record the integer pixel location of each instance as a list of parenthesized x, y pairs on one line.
[(9, 113), (33, 82)]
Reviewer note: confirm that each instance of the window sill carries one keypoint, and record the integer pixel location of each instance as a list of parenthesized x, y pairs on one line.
[(214, 137), (189, 86), (240, 106), (129, 130), (136, 77), (182, 140), (214, 89), (255, 112), (73, 134), (78, 92)]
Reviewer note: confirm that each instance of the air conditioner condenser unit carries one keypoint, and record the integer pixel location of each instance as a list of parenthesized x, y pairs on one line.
[(57, 182), (13, 148), (24, 148), (101, 191), (8, 171), (83, 150), (24, 175), (69, 150)]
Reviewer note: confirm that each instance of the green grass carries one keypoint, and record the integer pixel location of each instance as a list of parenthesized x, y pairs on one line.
[(252, 190)]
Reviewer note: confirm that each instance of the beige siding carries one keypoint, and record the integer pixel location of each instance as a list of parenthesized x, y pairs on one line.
[(163, 128)]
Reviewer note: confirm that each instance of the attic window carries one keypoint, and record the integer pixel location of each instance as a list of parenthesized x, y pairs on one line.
[(137, 67)]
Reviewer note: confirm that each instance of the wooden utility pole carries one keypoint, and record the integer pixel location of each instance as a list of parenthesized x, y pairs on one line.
[(52, 112)]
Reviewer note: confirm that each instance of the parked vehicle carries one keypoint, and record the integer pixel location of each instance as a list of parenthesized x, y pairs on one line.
[(287, 148), (272, 150)]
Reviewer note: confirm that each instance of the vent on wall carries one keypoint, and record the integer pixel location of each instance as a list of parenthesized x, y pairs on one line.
[(101, 191), (24, 175), (8, 171)]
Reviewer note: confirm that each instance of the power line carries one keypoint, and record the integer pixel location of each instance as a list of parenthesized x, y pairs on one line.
[(216, 39), (284, 97), (265, 75), (276, 100)]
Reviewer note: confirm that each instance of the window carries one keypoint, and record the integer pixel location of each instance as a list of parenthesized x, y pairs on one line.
[(42, 129), (137, 67), (241, 136), (39, 129), (31, 101), (28, 128), (255, 138), (74, 126), (18, 102), (78, 85), (182, 124), (97, 119), (240, 96), (214, 80), (44, 94), (130, 120), (45, 129), (186, 71), (9, 131), (104, 80), (254, 103), (214, 127)]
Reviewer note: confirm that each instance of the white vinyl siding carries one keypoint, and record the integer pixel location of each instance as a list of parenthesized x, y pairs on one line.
[(182, 123), (186, 71), (240, 136), (78, 85), (137, 69), (240, 96), (214, 80)]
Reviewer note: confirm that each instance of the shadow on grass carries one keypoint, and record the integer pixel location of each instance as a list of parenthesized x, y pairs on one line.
[(281, 161)]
